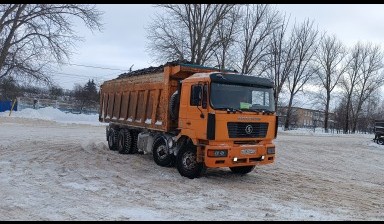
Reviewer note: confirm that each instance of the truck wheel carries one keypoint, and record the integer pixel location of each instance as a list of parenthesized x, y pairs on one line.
[(242, 169), (161, 153), (125, 142), (174, 105), (112, 139), (186, 162), (380, 141), (134, 135)]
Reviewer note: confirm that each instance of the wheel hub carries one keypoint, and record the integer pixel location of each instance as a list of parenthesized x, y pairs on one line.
[(189, 161), (161, 151)]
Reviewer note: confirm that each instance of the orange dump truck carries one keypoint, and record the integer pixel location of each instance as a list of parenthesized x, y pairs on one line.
[(191, 116)]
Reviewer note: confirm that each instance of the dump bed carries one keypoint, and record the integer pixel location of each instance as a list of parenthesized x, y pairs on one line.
[(141, 98)]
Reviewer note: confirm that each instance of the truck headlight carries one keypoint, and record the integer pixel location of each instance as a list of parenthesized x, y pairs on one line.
[(217, 153), (271, 150)]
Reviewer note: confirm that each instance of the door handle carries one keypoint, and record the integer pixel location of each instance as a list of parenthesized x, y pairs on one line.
[(188, 123)]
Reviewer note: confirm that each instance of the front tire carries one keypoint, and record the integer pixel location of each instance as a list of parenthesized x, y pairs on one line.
[(380, 141), (161, 154), (186, 162), (242, 169)]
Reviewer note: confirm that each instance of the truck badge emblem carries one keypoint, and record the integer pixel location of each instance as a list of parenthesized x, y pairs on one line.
[(248, 129)]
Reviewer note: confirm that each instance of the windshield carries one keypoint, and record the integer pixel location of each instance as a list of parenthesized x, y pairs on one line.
[(239, 97)]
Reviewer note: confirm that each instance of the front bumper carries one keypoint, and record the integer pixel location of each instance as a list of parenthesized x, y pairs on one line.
[(239, 155)]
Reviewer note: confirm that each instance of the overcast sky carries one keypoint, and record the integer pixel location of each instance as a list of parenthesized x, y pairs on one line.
[(122, 43)]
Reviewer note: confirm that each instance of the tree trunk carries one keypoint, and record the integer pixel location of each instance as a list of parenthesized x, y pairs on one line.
[(346, 125), (326, 113), (288, 117)]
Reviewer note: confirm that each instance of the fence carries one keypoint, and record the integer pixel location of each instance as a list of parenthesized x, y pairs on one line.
[(6, 105)]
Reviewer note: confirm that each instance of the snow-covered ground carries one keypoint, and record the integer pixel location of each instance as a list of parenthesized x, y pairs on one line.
[(53, 114), (57, 166)]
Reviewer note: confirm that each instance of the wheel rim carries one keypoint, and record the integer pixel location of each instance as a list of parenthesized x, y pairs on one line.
[(189, 161), (161, 152)]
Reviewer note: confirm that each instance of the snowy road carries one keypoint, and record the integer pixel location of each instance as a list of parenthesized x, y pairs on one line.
[(57, 171)]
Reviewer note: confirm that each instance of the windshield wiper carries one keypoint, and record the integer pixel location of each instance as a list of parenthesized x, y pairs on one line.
[(253, 110), (258, 110), (235, 109), (230, 109), (268, 111)]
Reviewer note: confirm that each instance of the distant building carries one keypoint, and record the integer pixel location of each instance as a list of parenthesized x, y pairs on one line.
[(305, 118)]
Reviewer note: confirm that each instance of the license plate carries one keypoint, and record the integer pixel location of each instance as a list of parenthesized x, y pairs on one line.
[(248, 151)]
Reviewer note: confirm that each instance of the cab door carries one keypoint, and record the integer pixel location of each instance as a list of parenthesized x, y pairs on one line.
[(197, 110)]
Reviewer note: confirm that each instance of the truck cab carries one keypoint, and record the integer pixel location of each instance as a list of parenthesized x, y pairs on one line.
[(230, 119)]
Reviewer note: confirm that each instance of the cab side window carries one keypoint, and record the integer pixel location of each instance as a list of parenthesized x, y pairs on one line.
[(196, 95), (199, 95)]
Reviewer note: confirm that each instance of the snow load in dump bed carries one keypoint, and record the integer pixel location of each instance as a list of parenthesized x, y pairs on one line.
[(160, 68)]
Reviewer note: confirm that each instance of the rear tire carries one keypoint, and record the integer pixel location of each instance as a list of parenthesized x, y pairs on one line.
[(242, 169), (161, 154), (187, 164), (134, 135), (380, 141), (125, 142), (112, 139)]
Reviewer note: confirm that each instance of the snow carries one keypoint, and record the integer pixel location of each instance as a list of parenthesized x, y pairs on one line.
[(53, 114), (57, 166)]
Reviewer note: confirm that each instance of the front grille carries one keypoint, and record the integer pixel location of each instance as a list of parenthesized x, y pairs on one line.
[(246, 142), (247, 130)]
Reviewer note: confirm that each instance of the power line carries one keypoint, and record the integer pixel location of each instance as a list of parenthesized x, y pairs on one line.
[(74, 78), (90, 66), (79, 76), (73, 75)]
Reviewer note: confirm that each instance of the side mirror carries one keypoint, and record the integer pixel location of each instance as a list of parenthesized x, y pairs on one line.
[(196, 95)]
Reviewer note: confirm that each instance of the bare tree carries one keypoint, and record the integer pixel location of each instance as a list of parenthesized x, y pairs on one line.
[(227, 32), (341, 112), (280, 58), (86, 96), (329, 58), (34, 35), (379, 113), (9, 89), (371, 77), (55, 92), (363, 76), (186, 31), (371, 112), (349, 81), (258, 23), (305, 38)]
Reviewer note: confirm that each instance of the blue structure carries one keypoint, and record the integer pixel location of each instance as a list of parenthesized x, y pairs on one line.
[(7, 105)]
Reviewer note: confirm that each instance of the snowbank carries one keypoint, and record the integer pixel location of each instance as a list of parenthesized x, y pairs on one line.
[(53, 114)]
